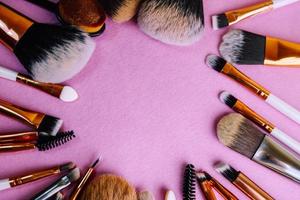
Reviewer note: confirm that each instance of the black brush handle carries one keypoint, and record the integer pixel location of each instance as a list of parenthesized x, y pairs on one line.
[(48, 5)]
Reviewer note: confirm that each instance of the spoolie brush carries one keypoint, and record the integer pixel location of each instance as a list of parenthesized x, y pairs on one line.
[(45, 144), (189, 183), (244, 47), (50, 53), (178, 22)]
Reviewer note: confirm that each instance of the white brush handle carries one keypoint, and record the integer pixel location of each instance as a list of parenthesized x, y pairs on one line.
[(284, 108), (281, 3), (8, 74), (287, 140), (4, 184)]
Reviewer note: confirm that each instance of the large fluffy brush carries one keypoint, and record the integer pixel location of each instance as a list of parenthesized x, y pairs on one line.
[(178, 22), (234, 16), (244, 47), (189, 183), (50, 53), (242, 136)]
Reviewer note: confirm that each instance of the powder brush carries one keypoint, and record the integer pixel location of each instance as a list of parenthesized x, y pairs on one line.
[(88, 15), (177, 22), (243, 47), (234, 16), (46, 124), (64, 93), (49, 53), (242, 136), (240, 107), (220, 65), (145, 195)]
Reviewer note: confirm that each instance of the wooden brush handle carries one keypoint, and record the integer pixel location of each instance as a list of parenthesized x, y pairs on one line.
[(19, 137), (48, 5), (13, 147)]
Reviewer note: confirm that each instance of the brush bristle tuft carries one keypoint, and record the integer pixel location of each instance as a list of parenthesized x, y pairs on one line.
[(228, 99), (239, 134), (74, 175), (189, 183), (219, 21), (243, 47), (67, 167), (203, 176), (112, 7), (50, 125), (215, 62), (227, 171), (145, 195), (52, 142), (68, 94)]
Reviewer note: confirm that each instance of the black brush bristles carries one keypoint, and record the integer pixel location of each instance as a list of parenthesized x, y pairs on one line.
[(47, 142), (219, 21), (228, 99), (189, 183), (243, 47), (50, 125), (112, 6), (215, 62), (227, 171)]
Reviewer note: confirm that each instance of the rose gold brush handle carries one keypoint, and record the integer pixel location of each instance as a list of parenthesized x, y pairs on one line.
[(13, 147), (224, 192), (19, 137), (31, 117), (13, 26), (207, 191)]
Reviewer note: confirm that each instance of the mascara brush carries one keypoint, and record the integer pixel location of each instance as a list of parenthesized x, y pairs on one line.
[(44, 123), (189, 182), (220, 65), (242, 136), (243, 47), (64, 93), (234, 16), (34, 176)]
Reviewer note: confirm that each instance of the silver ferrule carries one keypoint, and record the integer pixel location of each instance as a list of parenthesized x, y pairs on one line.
[(274, 156)]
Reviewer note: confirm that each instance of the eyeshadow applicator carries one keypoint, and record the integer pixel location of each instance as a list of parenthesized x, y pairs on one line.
[(220, 65)]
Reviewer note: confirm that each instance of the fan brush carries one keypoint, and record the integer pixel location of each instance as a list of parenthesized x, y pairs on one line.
[(189, 183)]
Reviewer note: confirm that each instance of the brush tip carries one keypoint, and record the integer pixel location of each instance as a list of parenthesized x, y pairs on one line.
[(219, 21), (74, 175), (170, 195), (203, 176), (68, 94), (68, 166), (227, 98), (215, 62), (96, 162), (145, 195), (50, 125), (226, 170)]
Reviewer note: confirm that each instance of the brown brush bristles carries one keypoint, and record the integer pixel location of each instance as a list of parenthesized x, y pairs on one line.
[(109, 187), (239, 134)]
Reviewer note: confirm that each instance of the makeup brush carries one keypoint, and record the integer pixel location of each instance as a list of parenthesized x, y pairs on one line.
[(34, 176), (244, 47), (242, 182), (44, 123), (178, 22), (50, 53), (81, 185), (170, 195), (121, 10), (109, 187), (189, 181), (64, 93), (247, 112), (242, 136), (88, 15), (220, 65), (145, 195), (234, 16), (58, 185), (58, 196)]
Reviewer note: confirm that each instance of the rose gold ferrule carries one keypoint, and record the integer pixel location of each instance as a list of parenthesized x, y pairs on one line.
[(249, 188), (250, 114), (224, 192), (33, 177), (82, 183), (19, 137), (235, 16), (13, 26), (207, 191), (31, 117), (50, 88), (240, 77), (13, 147), (281, 52)]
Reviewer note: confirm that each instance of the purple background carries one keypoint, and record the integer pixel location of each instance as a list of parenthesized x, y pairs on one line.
[(149, 108)]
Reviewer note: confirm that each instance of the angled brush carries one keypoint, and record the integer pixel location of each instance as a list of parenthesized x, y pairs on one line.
[(242, 136), (220, 65)]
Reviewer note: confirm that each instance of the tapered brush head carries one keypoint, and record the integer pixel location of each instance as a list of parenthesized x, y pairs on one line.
[(227, 171), (170, 195), (68, 94), (52, 53), (203, 176), (219, 21), (74, 175), (228, 99), (189, 182), (243, 47), (215, 62), (145, 195), (50, 142), (178, 22), (239, 134), (50, 125)]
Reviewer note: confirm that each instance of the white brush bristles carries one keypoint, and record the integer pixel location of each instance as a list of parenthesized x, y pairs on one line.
[(223, 96), (281, 3), (170, 195), (68, 94), (215, 22)]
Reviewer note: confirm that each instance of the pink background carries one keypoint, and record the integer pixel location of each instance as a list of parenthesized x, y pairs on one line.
[(149, 108)]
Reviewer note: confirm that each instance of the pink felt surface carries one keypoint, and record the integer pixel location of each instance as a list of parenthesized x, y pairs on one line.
[(149, 108)]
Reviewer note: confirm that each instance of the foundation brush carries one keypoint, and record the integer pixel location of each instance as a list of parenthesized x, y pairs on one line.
[(50, 53), (34, 176), (242, 182), (64, 93), (242, 47), (46, 124), (242, 136), (88, 15), (234, 16), (220, 65), (240, 107)]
